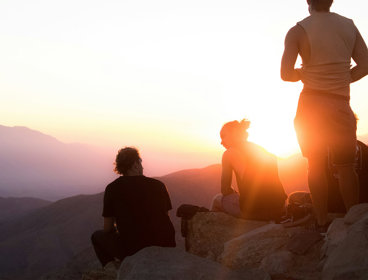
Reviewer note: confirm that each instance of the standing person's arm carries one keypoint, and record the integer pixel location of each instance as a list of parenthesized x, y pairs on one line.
[(291, 51), (360, 56), (226, 175)]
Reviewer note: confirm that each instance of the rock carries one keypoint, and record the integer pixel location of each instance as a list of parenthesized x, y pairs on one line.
[(248, 250), (336, 233), (301, 242), (109, 272), (172, 263), (207, 232), (348, 257), (99, 274), (278, 263), (356, 213)]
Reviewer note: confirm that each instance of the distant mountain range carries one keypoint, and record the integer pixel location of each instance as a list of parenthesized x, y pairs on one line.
[(13, 207), (38, 165), (33, 164)]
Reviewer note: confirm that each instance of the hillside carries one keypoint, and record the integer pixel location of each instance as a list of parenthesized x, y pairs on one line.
[(33, 164), (45, 239), (12, 207)]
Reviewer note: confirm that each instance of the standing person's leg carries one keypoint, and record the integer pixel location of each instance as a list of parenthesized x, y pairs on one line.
[(310, 126), (318, 186), (343, 144), (107, 246), (349, 185)]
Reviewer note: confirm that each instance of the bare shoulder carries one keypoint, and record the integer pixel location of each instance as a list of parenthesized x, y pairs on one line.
[(226, 155), (294, 34)]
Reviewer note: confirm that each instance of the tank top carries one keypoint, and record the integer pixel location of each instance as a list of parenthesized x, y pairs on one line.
[(332, 39)]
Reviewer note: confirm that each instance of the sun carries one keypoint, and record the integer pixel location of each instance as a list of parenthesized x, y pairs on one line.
[(280, 141)]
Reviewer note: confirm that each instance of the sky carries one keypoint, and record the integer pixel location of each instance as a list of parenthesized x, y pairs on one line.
[(161, 75)]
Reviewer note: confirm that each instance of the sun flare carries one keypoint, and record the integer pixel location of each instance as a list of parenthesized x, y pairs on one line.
[(280, 141)]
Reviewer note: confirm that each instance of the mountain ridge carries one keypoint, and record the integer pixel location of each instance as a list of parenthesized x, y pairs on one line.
[(38, 165)]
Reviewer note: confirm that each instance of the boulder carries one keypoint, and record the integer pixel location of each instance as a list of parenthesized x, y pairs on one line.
[(207, 232), (356, 213), (248, 250), (99, 274), (172, 263), (347, 251), (278, 263), (336, 233), (109, 272), (302, 241)]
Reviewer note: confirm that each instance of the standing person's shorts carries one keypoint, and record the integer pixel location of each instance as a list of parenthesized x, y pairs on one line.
[(325, 122)]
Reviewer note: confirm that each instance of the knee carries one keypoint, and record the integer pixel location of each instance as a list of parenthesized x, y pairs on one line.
[(216, 204), (96, 236)]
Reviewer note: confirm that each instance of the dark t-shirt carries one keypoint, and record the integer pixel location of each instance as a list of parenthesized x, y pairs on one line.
[(140, 206)]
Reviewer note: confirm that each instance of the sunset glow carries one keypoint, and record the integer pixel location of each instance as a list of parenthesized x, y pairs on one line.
[(162, 75)]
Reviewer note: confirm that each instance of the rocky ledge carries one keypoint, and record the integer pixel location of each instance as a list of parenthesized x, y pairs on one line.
[(222, 247)]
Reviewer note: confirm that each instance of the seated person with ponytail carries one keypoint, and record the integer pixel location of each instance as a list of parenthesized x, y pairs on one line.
[(261, 195)]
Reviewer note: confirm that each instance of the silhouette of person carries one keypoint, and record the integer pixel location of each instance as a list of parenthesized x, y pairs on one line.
[(261, 195), (324, 120), (135, 211)]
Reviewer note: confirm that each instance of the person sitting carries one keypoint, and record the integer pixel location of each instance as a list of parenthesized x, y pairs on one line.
[(139, 206), (261, 195)]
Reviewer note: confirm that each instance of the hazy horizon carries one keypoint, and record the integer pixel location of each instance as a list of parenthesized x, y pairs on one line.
[(34, 164), (38, 165), (150, 164)]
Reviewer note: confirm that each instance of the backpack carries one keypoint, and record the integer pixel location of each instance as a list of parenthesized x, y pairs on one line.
[(299, 209), (335, 201), (186, 212)]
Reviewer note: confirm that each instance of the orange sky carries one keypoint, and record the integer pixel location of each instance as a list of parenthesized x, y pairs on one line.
[(161, 75)]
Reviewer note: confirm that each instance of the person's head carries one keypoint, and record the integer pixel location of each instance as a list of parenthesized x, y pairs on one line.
[(234, 133), (319, 5), (128, 162)]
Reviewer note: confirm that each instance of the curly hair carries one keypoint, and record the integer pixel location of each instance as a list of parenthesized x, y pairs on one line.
[(320, 5), (125, 159)]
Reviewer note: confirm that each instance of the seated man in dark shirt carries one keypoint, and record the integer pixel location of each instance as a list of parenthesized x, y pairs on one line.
[(135, 211)]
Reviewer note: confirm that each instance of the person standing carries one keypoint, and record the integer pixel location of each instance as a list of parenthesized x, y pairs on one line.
[(324, 120), (135, 211)]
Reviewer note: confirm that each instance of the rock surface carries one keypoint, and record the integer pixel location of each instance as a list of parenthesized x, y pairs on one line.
[(347, 251), (249, 249), (109, 272), (208, 232), (171, 263), (261, 245), (278, 263)]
